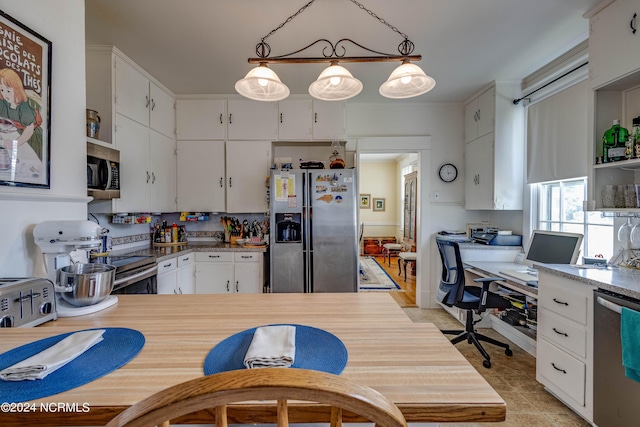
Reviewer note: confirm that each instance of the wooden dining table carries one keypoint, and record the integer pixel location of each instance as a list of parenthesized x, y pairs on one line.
[(413, 364)]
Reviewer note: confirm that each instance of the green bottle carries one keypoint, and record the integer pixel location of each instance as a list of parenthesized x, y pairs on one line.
[(613, 143)]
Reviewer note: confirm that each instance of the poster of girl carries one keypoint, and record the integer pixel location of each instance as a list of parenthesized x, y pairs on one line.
[(23, 113)]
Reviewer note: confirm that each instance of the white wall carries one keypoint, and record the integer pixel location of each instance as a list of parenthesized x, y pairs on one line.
[(380, 180), (62, 22)]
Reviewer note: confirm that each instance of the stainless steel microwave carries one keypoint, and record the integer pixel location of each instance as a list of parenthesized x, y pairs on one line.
[(103, 172)]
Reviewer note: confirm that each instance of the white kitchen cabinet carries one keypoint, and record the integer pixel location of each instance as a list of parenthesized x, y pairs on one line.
[(142, 100), (229, 272), (186, 274), (167, 276), (494, 161), (479, 115), (248, 119), (201, 176), (214, 176), (177, 275), (614, 47), (247, 168), (201, 119), (614, 68), (137, 118), (564, 360), (328, 120), (306, 119), (147, 169), (295, 119)]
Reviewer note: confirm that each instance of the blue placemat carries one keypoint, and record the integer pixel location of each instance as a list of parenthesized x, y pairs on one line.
[(118, 347), (315, 349)]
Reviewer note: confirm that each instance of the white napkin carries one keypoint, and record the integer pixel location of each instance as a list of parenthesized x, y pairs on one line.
[(47, 361), (271, 346)]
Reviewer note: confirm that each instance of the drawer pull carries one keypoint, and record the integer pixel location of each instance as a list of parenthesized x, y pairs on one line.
[(247, 256), (560, 333), (227, 286), (560, 302), (214, 256), (558, 369), (185, 259), (167, 265)]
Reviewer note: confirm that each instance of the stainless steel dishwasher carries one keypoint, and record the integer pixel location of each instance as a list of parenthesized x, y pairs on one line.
[(616, 398)]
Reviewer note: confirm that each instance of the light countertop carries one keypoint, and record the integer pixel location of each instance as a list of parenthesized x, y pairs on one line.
[(623, 281)]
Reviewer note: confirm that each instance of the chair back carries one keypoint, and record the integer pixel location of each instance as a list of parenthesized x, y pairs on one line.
[(451, 288), (275, 385)]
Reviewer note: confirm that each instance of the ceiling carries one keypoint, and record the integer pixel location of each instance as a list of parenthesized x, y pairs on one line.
[(202, 46)]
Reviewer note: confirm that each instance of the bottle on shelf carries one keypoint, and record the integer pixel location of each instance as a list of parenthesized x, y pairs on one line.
[(635, 137), (614, 143), (174, 232)]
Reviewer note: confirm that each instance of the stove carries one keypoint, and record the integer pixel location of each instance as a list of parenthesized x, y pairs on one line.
[(135, 274)]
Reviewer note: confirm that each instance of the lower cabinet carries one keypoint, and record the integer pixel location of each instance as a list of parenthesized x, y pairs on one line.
[(177, 275), (229, 272), (564, 361)]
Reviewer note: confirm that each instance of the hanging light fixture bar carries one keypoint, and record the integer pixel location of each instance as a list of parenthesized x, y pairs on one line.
[(335, 83)]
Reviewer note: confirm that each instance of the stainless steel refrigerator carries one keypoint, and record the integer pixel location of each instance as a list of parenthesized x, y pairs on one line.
[(313, 237)]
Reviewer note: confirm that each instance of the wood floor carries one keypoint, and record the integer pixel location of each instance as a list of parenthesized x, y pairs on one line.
[(407, 296)]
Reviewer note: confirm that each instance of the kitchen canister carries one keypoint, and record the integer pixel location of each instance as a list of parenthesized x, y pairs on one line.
[(93, 124)]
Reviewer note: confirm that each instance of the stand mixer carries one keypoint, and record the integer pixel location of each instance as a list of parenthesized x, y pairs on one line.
[(64, 243)]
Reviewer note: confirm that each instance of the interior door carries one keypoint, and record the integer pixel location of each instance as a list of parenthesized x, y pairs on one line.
[(410, 204)]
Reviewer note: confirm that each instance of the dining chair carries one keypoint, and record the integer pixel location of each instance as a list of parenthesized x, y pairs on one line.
[(275, 385), (453, 292)]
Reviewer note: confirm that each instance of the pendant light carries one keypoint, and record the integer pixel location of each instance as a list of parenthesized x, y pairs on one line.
[(407, 81), (262, 84), (335, 83)]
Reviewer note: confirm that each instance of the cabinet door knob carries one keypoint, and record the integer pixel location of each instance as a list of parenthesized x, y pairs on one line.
[(153, 104), (221, 182), (153, 176), (632, 24), (230, 182), (146, 105), (148, 177), (237, 286), (227, 286), (280, 117), (220, 118), (315, 117), (230, 118)]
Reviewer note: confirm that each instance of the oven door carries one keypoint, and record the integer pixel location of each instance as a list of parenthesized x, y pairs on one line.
[(143, 281)]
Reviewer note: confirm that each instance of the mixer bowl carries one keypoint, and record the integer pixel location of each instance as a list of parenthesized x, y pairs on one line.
[(85, 284)]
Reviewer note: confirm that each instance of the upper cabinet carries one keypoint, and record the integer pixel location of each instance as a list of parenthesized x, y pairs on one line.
[(479, 115), (494, 151), (614, 43), (251, 119), (201, 119), (614, 69), (306, 119), (138, 118)]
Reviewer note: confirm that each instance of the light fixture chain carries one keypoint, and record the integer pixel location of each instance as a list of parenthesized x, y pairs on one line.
[(288, 20), (370, 12)]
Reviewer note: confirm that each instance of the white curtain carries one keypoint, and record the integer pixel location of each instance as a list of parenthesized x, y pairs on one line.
[(557, 135)]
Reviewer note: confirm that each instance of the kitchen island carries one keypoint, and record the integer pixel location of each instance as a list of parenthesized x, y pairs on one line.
[(413, 364)]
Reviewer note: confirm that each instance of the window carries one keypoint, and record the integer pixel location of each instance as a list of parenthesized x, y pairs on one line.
[(560, 209)]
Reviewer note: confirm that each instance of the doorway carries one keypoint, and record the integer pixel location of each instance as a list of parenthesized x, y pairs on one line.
[(390, 216)]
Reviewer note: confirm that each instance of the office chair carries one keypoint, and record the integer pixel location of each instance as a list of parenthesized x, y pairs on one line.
[(453, 293), (276, 386)]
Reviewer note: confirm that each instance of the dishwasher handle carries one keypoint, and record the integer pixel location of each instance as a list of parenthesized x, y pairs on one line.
[(610, 305)]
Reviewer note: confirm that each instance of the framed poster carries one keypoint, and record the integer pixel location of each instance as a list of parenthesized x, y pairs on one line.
[(378, 204), (365, 201), (25, 105)]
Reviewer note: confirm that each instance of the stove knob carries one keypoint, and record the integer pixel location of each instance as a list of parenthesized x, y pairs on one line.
[(6, 322)]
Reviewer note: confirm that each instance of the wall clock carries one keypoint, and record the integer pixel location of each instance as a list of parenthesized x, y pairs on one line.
[(448, 172)]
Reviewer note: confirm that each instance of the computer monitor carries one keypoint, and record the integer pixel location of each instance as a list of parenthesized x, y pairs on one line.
[(553, 247)]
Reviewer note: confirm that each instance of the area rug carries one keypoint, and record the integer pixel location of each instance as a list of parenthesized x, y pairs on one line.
[(374, 278)]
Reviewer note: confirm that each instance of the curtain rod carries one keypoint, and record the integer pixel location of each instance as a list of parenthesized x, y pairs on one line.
[(517, 101)]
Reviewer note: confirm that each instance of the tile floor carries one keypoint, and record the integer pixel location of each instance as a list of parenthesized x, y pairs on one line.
[(514, 378)]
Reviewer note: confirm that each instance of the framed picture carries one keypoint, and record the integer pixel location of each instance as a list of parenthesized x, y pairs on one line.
[(365, 201), (25, 105), (378, 204)]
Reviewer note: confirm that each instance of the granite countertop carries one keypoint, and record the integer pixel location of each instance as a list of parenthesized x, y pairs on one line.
[(620, 280), (165, 252)]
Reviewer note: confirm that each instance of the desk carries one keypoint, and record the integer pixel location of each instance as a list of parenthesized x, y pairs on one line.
[(413, 364)]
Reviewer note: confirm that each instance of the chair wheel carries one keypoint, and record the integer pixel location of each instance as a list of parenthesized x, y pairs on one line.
[(486, 364), (508, 352)]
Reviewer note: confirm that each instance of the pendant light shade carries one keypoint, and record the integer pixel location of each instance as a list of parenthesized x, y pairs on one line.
[(262, 84), (407, 81), (335, 83)]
